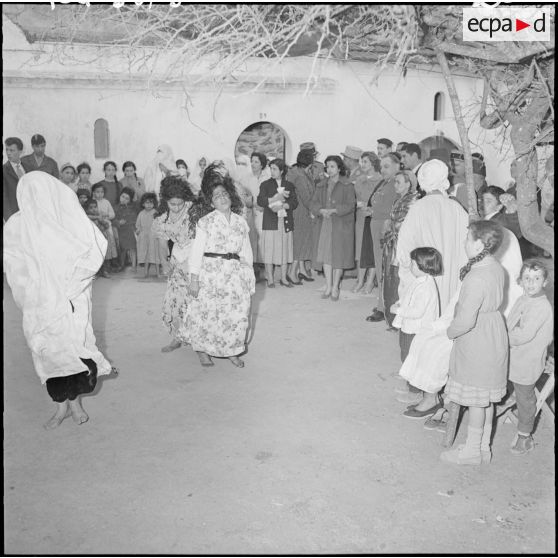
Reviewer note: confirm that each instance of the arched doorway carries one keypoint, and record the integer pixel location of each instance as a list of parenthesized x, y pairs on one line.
[(437, 142), (262, 136)]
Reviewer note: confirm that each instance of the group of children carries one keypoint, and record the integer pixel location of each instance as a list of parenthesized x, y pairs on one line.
[(484, 348), (127, 228)]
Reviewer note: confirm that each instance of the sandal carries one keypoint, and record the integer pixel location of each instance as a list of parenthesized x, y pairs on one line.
[(205, 359), (239, 363)]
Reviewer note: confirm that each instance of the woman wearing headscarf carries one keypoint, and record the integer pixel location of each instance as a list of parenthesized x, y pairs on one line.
[(52, 252), (161, 166), (406, 188), (436, 221)]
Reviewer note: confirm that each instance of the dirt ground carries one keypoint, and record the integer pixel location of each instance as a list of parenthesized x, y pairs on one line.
[(303, 451)]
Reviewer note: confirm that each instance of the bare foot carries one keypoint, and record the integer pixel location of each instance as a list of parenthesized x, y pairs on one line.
[(78, 414), (205, 359), (173, 345), (237, 361), (56, 420)]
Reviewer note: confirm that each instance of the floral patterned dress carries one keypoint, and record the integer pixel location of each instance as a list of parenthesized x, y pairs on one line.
[(218, 318), (176, 228)]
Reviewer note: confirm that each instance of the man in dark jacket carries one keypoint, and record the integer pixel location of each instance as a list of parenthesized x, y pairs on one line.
[(12, 171), (38, 160)]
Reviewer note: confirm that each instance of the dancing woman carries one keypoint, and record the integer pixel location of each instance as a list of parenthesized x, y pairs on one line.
[(52, 252), (222, 279), (174, 225)]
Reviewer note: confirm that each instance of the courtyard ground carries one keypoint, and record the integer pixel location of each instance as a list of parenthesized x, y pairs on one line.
[(304, 450)]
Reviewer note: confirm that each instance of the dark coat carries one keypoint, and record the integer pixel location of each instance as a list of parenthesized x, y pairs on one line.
[(268, 189), (343, 198), (9, 189), (48, 165)]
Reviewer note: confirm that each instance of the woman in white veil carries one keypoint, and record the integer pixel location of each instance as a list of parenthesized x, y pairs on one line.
[(52, 252), (162, 165)]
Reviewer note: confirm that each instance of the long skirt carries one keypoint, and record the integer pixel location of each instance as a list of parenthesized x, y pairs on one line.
[(359, 232), (217, 320), (366, 260), (277, 245), (175, 301), (70, 387)]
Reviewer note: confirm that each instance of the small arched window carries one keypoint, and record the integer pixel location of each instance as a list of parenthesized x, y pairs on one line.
[(439, 106), (101, 138)]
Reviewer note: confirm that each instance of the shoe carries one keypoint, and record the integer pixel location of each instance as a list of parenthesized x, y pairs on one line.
[(357, 288), (376, 316), (239, 363), (324, 295), (303, 277), (335, 297), (270, 285), (409, 397), (455, 456), (205, 359), (523, 444), (391, 328), (294, 282), (173, 345), (414, 414), (287, 284), (103, 273), (436, 421)]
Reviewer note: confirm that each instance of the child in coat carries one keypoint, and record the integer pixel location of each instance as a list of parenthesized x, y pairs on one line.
[(530, 329), (147, 244), (418, 308), (479, 356), (126, 215)]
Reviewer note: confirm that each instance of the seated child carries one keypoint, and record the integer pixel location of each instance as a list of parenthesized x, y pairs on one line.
[(530, 329)]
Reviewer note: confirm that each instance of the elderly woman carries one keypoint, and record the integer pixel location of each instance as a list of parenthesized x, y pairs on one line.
[(334, 204), (301, 177), (365, 185), (51, 254), (406, 189), (278, 198), (221, 275)]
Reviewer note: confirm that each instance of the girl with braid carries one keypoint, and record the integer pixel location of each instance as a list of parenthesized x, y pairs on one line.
[(479, 357)]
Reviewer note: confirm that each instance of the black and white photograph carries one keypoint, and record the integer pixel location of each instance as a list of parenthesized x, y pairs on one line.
[(278, 278)]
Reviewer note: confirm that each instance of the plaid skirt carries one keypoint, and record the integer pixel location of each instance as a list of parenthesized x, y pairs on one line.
[(471, 396)]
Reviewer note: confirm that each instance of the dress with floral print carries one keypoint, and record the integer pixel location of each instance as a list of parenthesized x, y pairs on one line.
[(217, 319)]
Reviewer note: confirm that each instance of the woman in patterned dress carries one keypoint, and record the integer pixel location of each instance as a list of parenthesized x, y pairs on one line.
[(173, 225), (405, 186), (221, 275)]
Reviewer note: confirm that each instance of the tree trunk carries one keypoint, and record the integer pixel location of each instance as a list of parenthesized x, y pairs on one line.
[(463, 136), (523, 132)]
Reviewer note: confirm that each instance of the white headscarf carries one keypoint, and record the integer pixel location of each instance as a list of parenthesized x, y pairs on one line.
[(153, 175), (433, 175), (51, 254)]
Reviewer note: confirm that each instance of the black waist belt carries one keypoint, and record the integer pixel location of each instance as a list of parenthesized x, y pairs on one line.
[(229, 256)]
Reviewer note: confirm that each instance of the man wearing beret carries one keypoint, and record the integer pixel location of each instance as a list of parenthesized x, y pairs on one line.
[(317, 169)]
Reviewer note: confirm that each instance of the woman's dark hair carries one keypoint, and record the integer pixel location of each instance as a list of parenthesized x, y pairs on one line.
[(129, 192), (107, 163), (129, 164), (181, 162), (305, 158), (491, 234), (281, 165), (261, 157), (176, 187), (212, 178), (149, 196), (91, 202), (373, 158), (97, 186), (339, 162), (82, 166), (393, 157), (428, 260)]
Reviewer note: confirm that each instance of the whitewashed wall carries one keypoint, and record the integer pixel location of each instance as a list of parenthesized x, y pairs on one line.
[(62, 100)]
